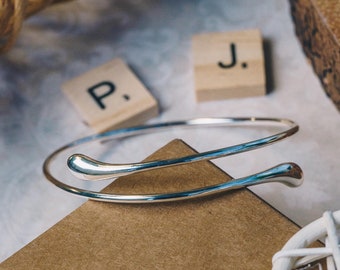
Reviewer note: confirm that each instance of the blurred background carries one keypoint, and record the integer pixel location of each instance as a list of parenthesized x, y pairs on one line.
[(154, 38)]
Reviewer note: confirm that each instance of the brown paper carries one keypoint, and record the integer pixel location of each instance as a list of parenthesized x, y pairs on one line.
[(235, 230)]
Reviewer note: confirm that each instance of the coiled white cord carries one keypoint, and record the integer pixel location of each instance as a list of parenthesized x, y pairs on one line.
[(295, 252)]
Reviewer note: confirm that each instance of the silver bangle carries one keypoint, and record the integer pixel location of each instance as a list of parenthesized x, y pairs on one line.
[(87, 168)]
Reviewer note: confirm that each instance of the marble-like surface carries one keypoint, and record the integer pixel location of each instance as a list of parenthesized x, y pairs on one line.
[(154, 37)]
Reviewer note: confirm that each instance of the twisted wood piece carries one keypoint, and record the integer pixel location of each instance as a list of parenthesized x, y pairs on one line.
[(12, 15)]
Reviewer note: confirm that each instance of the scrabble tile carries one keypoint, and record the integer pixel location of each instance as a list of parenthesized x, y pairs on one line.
[(228, 65), (110, 96)]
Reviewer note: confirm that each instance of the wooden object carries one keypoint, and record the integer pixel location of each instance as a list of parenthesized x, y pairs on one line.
[(229, 231), (110, 96), (317, 25), (229, 65), (12, 15)]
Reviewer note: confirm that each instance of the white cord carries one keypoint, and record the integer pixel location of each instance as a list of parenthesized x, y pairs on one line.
[(318, 253), (332, 237), (288, 257), (329, 259)]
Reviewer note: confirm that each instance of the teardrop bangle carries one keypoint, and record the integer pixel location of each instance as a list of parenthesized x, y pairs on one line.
[(87, 168)]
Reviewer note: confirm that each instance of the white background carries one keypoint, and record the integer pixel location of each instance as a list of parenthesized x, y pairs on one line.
[(154, 38)]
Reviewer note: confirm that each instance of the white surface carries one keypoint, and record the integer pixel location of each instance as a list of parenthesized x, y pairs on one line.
[(154, 38)]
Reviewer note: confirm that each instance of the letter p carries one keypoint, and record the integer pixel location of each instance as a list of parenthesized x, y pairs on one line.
[(99, 97)]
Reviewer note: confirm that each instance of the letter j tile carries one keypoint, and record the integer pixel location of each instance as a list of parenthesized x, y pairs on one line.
[(228, 65)]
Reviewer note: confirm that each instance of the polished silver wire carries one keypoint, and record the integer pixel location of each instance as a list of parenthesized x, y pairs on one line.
[(87, 168)]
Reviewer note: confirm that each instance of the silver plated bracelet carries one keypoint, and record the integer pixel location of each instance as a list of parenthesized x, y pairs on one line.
[(87, 168)]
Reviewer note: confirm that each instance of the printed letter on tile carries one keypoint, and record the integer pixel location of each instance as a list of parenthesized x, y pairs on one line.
[(228, 65), (110, 96)]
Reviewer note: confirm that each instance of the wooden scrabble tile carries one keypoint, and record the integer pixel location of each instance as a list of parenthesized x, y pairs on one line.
[(229, 231), (110, 96), (228, 65)]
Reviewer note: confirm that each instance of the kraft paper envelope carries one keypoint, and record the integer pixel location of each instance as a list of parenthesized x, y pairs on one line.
[(235, 230)]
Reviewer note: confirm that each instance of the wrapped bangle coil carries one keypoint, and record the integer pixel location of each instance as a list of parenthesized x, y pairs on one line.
[(87, 168)]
